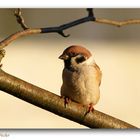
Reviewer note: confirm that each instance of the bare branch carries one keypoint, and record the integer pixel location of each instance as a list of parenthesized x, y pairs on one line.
[(117, 23), (55, 104), (60, 29), (20, 19), (63, 27), (16, 35)]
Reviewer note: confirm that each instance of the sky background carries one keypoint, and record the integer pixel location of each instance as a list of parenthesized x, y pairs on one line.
[(35, 59)]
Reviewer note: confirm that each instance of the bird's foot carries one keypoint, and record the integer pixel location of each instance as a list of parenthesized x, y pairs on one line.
[(66, 101), (90, 109)]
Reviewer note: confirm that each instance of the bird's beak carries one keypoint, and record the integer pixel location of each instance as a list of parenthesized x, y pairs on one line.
[(63, 57)]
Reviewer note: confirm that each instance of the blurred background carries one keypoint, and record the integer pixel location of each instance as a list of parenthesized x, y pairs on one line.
[(34, 59)]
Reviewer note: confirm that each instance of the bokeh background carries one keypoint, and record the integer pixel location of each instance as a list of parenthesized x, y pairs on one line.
[(34, 59)]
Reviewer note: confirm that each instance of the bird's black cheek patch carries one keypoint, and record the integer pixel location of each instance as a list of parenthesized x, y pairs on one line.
[(67, 63), (80, 59)]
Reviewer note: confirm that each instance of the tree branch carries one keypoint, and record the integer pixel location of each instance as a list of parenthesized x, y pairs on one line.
[(117, 23), (60, 29), (47, 100), (55, 104), (16, 35), (20, 19)]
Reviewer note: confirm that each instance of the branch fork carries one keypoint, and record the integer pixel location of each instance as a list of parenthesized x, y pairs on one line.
[(60, 29)]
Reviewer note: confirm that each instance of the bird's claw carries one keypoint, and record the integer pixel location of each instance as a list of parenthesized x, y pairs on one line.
[(90, 109), (66, 101)]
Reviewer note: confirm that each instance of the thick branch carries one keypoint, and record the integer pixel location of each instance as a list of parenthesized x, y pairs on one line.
[(53, 103)]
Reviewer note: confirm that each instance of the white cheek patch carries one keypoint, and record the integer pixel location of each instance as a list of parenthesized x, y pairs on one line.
[(73, 61), (89, 61)]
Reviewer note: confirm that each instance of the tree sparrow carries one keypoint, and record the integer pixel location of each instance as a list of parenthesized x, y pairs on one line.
[(81, 76)]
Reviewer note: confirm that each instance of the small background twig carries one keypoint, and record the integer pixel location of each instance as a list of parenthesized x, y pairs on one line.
[(20, 19), (60, 29)]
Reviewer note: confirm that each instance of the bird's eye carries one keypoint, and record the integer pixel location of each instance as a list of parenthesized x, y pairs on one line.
[(80, 59)]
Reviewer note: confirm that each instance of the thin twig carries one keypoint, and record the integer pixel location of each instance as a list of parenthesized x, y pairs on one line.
[(20, 19), (117, 23), (55, 104), (16, 35), (60, 29)]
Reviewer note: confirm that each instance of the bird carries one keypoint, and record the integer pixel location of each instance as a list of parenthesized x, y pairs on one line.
[(81, 76)]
